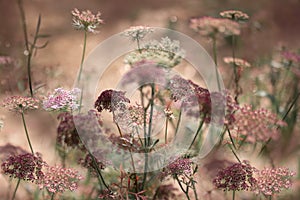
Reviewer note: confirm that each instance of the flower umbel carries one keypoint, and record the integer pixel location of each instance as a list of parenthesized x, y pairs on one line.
[(20, 104), (86, 20), (137, 32), (62, 100), (59, 179), (234, 15), (181, 166), (24, 166), (236, 177), (111, 100), (271, 181)]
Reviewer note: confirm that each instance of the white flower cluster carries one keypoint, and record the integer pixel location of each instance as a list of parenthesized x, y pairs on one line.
[(166, 53)]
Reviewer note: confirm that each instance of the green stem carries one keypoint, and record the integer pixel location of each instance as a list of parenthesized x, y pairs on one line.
[(233, 194), (52, 196), (166, 131), (231, 139), (82, 57), (197, 132), (98, 171), (17, 186), (26, 131), (181, 187), (234, 153), (178, 123), (151, 112), (194, 189), (216, 61)]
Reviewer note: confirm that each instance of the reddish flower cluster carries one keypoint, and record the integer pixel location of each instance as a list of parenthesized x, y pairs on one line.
[(271, 181), (59, 179), (21, 104), (24, 166), (238, 176), (111, 100), (180, 88), (88, 163), (256, 125), (291, 56), (181, 166)]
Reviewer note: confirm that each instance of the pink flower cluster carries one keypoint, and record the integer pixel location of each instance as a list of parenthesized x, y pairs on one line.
[(62, 100), (271, 181), (211, 27), (5, 60), (181, 166), (86, 20), (257, 125), (59, 179), (20, 104)]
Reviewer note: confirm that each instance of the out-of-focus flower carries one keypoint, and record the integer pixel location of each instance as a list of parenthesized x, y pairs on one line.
[(256, 125), (166, 53), (62, 100), (236, 177), (58, 179), (20, 104), (137, 32), (24, 166), (88, 163), (291, 56), (271, 181), (5, 60), (235, 15), (212, 27), (181, 166), (86, 20), (237, 62), (111, 100)]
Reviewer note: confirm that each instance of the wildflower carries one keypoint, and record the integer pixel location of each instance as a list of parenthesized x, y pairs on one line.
[(236, 177), (59, 179), (86, 20), (21, 104), (24, 166), (237, 62), (256, 125), (211, 27), (137, 32), (166, 53), (144, 73), (291, 56), (180, 88), (111, 100), (181, 166), (5, 60), (62, 100), (271, 181), (234, 15)]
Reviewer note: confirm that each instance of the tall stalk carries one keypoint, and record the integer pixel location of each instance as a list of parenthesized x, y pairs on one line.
[(216, 61), (82, 57), (26, 132), (17, 186)]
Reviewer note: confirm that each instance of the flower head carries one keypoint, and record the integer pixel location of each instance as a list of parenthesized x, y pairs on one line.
[(86, 20), (211, 27), (291, 56), (237, 62), (180, 88), (256, 125), (271, 181), (137, 32), (59, 179), (5, 60), (111, 100), (88, 163), (234, 15), (62, 100), (20, 104), (181, 166), (24, 166), (166, 53), (238, 176)]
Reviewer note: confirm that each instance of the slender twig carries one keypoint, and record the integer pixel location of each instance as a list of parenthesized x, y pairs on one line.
[(231, 139), (151, 112), (197, 132), (216, 61), (178, 122), (17, 186), (98, 171), (181, 187), (234, 153), (166, 131), (26, 132), (233, 194)]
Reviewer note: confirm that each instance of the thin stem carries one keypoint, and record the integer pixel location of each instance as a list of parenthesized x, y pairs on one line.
[(151, 112), (194, 189), (82, 57), (233, 194), (216, 61), (52, 196), (138, 45), (17, 186), (178, 122), (234, 153), (98, 171), (198, 131), (181, 187), (166, 131), (231, 139), (26, 131)]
